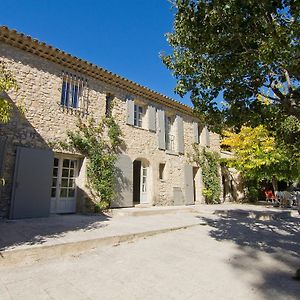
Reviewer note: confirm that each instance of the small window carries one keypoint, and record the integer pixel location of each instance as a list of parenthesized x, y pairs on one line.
[(72, 91), (162, 171), (108, 104), (138, 115)]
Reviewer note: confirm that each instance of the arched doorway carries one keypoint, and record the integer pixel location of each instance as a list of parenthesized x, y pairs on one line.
[(141, 186)]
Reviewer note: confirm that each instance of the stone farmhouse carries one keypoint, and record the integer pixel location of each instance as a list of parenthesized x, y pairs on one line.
[(56, 87)]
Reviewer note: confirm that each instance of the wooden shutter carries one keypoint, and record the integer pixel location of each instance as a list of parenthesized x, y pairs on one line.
[(152, 118), (180, 134), (188, 184), (207, 137), (202, 135), (124, 185), (2, 152), (161, 129), (32, 183), (196, 132), (130, 111)]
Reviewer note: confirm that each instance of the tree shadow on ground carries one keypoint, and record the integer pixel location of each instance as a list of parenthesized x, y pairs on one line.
[(269, 249), (14, 233)]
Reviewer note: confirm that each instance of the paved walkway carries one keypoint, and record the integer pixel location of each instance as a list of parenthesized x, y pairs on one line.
[(232, 257), (25, 241)]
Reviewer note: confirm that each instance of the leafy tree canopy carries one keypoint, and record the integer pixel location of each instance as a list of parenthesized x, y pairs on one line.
[(258, 157), (246, 50)]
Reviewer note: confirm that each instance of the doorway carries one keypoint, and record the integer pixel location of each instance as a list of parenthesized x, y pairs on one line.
[(196, 184), (63, 189), (140, 182)]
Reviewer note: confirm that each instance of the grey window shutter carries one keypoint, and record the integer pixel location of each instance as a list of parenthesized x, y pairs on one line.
[(207, 138), (180, 135), (161, 129), (196, 132), (152, 118), (130, 111), (202, 136)]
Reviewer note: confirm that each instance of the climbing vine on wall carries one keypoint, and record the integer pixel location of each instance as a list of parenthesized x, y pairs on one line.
[(99, 142), (208, 161)]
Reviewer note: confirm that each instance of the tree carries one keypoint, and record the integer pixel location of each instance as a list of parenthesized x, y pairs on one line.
[(257, 156), (248, 51), (7, 82)]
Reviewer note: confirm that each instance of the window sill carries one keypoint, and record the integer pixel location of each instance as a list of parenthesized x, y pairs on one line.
[(141, 128), (72, 110), (170, 152)]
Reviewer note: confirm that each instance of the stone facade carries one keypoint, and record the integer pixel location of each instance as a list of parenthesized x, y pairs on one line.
[(45, 121)]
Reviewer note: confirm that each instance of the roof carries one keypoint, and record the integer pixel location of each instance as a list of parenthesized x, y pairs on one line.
[(31, 45)]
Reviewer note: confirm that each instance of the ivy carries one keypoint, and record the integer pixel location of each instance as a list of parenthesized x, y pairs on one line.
[(99, 143), (7, 83), (208, 161)]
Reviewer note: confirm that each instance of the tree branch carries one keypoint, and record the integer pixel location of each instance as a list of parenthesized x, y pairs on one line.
[(288, 80)]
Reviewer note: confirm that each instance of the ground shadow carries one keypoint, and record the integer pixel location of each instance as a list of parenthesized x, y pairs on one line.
[(36, 231), (279, 238)]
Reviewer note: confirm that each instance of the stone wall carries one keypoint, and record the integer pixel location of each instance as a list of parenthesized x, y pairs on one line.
[(45, 121)]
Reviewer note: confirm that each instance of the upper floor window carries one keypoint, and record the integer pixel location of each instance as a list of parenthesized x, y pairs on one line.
[(73, 92), (108, 104), (138, 115)]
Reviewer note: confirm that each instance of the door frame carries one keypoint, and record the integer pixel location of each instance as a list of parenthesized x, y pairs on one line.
[(144, 195), (140, 197)]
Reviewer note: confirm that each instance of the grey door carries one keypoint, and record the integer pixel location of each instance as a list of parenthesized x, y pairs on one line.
[(188, 183), (32, 183), (124, 182)]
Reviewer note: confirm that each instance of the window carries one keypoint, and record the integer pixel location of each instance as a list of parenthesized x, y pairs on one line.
[(162, 171), (144, 179), (108, 104), (138, 115), (170, 137), (72, 95)]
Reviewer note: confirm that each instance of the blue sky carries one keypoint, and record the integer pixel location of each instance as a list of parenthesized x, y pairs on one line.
[(124, 37)]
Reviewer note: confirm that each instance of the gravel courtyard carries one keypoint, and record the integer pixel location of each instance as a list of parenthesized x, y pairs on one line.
[(230, 258)]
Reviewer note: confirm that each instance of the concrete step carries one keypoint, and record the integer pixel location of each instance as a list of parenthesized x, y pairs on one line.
[(150, 211), (31, 255), (258, 215)]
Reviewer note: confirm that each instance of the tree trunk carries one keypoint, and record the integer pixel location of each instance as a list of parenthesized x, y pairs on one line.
[(275, 184)]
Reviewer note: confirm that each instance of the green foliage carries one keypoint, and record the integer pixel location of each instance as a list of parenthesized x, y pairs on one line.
[(258, 156), (208, 161), (90, 140), (7, 83), (253, 190), (245, 50)]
